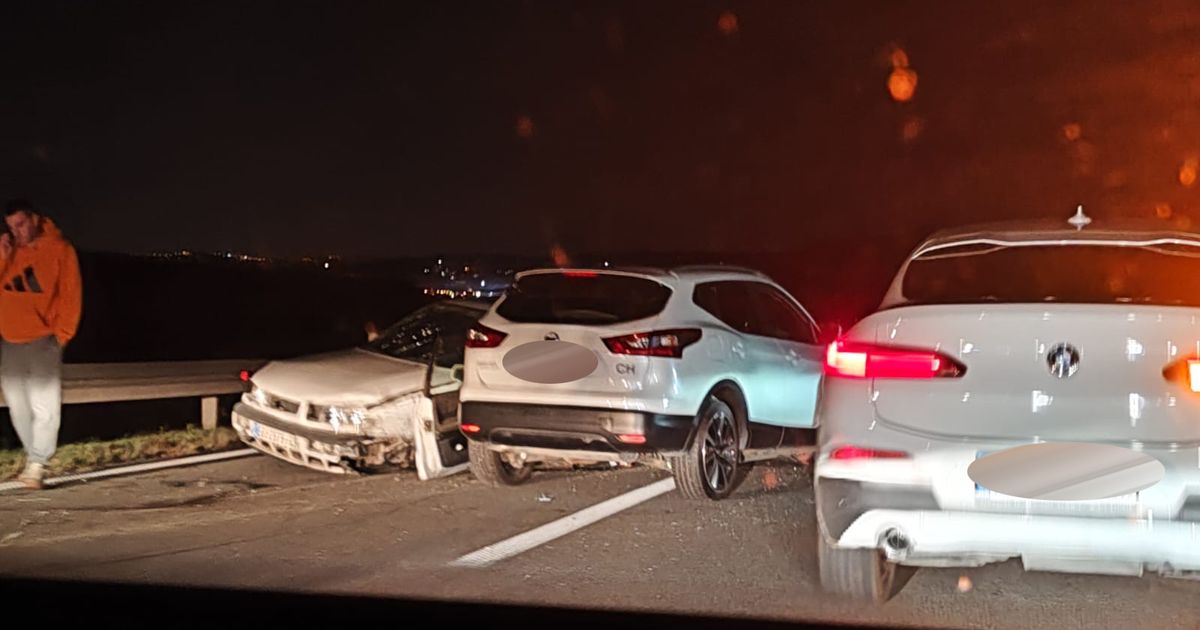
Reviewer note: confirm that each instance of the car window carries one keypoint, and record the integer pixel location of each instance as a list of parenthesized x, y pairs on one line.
[(451, 346), (414, 337), (1081, 274), (728, 302), (778, 317), (583, 298)]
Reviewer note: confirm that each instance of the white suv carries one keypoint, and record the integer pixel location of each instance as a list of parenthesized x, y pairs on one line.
[(697, 369), (1025, 391)]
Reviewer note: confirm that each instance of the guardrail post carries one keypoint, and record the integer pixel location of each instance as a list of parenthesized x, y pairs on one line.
[(208, 412)]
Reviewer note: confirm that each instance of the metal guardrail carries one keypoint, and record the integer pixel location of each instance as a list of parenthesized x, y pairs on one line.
[(120, 382)]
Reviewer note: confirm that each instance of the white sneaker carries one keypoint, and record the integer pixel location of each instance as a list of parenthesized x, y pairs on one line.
[(32, 476)]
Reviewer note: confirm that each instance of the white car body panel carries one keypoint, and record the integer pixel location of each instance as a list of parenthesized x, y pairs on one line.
[(1118, 395)]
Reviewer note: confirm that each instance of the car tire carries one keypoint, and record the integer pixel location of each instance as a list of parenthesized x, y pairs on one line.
[(489, 467), (712, 468), (862, 574)]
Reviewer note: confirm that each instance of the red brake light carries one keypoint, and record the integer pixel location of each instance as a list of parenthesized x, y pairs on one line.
[(843, 453), (580, 274), (867, 361), (660, 343), (631, 438), (244, 375), (470, 428), (480, 336)]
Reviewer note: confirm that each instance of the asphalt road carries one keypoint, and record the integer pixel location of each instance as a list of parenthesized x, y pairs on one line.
[(257, 523)]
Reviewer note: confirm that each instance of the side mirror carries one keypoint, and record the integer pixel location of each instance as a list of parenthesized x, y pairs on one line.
[(457, 373)]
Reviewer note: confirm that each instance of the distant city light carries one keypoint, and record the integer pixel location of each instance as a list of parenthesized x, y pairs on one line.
[(483, 283), (326, 265)]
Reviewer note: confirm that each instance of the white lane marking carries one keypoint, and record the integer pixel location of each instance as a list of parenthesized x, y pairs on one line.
[(137, 468), (556, 529)]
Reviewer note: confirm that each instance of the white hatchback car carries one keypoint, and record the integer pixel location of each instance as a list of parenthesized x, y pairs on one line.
[(697, 369), (393, 401), (1024, 391)]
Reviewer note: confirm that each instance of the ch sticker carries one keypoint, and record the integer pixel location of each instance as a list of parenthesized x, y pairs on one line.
[(626, 368)]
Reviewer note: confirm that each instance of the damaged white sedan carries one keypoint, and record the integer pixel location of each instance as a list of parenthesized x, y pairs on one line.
[(392, 402)]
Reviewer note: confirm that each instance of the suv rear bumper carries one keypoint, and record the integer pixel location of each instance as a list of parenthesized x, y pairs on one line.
[(580, 429), (1055, 543), (855, 514)]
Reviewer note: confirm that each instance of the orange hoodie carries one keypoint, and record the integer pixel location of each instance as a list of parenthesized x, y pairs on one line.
[(41, 293)]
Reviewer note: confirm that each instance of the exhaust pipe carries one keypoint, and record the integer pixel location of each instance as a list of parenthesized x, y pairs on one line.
[(895, 544)]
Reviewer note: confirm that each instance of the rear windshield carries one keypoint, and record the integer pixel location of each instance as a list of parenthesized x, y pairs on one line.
[(554, 298), (1082, 274)]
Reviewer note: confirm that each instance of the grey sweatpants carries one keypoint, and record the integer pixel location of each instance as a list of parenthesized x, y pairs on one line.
[(31, 379)]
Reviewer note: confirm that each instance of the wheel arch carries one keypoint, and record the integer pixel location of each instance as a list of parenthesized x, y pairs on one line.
[(730, 393)]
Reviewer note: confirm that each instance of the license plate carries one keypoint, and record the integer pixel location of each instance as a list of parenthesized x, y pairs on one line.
[(272, 436), (1127, 500)]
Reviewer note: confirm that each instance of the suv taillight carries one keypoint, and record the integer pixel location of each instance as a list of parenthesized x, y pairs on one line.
[(659, 343), (1185, 371), (854, 360), (480, 336)]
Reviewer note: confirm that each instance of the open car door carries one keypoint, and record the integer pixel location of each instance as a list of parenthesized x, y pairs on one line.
[(440, 448)]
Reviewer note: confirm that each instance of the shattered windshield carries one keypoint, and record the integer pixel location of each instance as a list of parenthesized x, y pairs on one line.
[(416, 338)]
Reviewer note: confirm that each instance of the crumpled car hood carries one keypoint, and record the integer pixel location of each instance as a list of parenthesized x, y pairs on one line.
[(346, 377)]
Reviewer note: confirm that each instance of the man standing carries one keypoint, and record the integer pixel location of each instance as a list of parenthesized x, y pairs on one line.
[(40, 302)]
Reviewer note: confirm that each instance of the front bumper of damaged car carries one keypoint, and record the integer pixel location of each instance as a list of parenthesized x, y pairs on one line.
[(386, 439)]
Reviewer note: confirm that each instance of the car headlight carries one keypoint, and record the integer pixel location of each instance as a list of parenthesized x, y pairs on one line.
[(338, 416), (258, 395)]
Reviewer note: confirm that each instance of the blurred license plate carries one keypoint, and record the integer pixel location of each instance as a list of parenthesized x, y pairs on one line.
[(272, 436), (1125, 500)]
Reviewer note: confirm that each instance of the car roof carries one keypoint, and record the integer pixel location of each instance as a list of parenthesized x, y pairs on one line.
[(1080, 230), (689, 273), (1025, 232)]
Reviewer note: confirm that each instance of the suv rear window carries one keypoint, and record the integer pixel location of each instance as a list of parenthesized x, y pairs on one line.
[(1081, 274), (555, 298)]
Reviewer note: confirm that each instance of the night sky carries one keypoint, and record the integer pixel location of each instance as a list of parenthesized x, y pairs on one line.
[(397, 128)]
